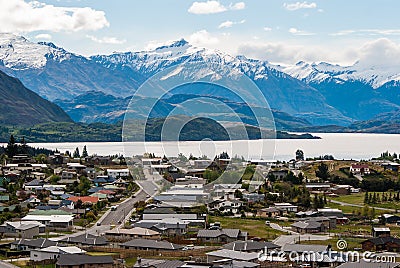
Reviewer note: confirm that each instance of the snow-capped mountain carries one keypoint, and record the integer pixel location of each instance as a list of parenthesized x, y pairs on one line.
[(358, 91), (54, 73), (374, 76), (17, 53), (320, 93), (282, 91)]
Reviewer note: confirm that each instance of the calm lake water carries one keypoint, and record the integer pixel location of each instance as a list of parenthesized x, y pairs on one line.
[(341, 146)]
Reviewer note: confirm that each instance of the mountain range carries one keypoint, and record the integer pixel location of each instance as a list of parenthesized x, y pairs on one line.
[(305, 95)]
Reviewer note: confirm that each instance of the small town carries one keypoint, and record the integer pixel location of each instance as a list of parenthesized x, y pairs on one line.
[(73, 209)]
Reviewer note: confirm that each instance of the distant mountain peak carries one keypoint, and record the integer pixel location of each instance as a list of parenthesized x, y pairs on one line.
[(178, 43)]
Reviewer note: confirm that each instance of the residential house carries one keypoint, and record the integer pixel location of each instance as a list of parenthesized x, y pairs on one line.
[(230, 206), (388, 243), (84, 261), (56, 219), (380, 231), (53, 252), (253, 197), (361, 169), (118, 173), (166, 226), (85, 240), (251, 246), (86, 200), (158, 263), (286, 207), (122, 235), (368, 264), (389, 219), (22, 229), (226, 254), (271, 212), (221, 235), (30, 244), (148, 244), (305, 227)]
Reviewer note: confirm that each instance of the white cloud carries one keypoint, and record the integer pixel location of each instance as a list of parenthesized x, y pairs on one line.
[(208, 7), (20, 16), (285, 53), (386, 32), (382, 51), (202, 38), (229, 24), (226, 24), (43, 36), (296, 31), (375, 53), (238, 6), (299, 5), (106, 40), (267, 29), (213, 6)]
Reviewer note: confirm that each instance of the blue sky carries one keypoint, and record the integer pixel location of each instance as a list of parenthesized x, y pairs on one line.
[(279, 31)]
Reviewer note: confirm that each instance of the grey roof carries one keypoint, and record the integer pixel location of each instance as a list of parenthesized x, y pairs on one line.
[(250, 245), (233, 255), (74, 259), (157, 263), (158, 210), (304, 248), (240, 264), (232, 233), (151, 244), (363, 264), (36, 243), (307, 224), (86, 239)]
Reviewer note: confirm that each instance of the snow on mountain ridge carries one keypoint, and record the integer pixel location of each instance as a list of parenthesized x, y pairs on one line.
[(320, 72), (17, 53)]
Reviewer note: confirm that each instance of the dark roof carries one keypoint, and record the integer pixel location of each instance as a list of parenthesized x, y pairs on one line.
[(159, 210), (153, 244), (86, 239), (36, 243), (383, 240), (75, 259), (232, 233), (250, 245)]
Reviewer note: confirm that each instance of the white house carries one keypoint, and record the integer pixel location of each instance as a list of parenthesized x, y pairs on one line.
[(53, 252), (286, 207), (360, 169), (118, 173)]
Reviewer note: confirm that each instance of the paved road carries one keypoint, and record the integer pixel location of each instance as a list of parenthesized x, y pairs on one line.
[(4, 264), (293, 239), (359, 206)]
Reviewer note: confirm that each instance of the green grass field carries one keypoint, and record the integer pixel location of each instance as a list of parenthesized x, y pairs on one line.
[(358, 199)]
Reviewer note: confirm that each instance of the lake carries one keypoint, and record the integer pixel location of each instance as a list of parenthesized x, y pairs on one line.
[(340, 145)]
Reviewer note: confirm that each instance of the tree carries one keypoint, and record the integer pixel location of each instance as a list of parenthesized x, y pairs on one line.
[(299, 155), (322, 172), (76, 153), (12, 147), (84, 152), (366, 198)]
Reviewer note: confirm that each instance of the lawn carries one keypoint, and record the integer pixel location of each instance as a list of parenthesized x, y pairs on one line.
[(358, 199), (255, 227)]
